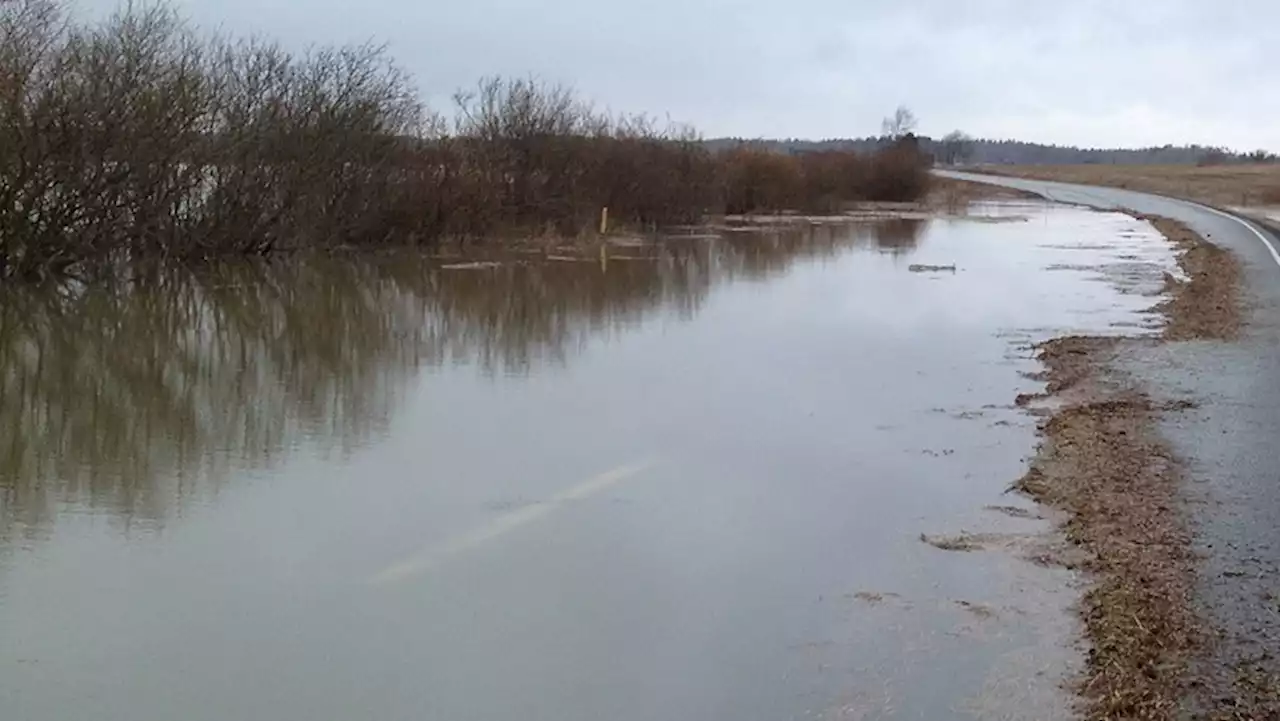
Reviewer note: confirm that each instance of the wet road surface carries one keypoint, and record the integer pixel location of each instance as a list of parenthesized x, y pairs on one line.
[(688, 482), (1229, 441)]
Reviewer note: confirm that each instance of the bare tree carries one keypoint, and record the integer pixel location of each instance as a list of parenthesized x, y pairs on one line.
[(903, 122), (955, 147)]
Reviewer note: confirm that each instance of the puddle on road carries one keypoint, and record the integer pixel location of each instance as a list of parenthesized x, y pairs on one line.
[(696, 484)]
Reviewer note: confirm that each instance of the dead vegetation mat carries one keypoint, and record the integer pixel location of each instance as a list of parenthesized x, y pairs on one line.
[(1103, 462)]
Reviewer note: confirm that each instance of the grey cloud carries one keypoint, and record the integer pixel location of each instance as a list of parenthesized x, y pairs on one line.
[(1089, 72)]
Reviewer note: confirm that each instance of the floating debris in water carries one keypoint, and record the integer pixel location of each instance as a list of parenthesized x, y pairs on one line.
[(962, 542), (477, 265), (874, 598), (981, 610), (1015, 512)]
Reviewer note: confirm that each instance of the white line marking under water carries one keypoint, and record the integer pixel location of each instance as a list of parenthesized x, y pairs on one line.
[(432, 556)]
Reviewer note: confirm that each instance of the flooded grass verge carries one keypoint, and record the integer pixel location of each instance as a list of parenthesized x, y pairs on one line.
[(1102, 462)]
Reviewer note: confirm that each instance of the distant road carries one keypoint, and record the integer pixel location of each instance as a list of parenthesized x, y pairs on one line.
[(1231, 442), (1254, 237)]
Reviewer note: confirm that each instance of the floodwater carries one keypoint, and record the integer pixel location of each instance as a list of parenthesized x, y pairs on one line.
[(685, 481)]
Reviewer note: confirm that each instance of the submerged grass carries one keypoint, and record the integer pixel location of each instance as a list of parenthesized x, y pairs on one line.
[(1103, 463)]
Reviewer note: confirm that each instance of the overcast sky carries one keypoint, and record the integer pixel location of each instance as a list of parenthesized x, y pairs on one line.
[(1084, 72)]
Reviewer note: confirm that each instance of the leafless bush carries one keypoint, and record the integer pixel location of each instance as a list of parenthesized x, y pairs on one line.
[(899, 172), (544, 157), (758, 180), (306, 151), (137, 138)]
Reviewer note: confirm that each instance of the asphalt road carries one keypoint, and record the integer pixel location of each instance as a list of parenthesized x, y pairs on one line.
[(1230, 443)]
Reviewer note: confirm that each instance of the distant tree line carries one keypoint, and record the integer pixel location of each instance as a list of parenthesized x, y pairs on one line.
[(959, 148)]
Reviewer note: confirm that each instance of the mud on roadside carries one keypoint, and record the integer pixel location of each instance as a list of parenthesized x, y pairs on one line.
[(1104, 464)]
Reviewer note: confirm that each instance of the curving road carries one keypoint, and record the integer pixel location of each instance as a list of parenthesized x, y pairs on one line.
[(1231, 443)]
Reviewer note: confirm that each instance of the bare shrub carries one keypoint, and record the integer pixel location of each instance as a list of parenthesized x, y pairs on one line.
[(832, 178), (898, 173), (758, 180), (538, 155), (137, 138), (32, 33), (308, 150)]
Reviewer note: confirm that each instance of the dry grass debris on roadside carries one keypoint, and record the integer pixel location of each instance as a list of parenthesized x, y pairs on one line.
[(1206, 305), (1103, 463)]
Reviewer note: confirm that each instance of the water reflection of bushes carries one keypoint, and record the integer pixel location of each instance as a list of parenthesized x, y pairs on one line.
[(133, 399), (137, 399), (898, 235)]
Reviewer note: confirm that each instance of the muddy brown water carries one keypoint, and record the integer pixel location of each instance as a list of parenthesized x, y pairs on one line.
[(685, 482)]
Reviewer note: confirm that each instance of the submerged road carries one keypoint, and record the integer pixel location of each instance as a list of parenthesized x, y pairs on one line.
[(745, 479), (1230, 443)]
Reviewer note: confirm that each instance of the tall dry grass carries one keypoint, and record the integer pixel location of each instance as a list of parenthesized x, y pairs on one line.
[(139, 138)]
